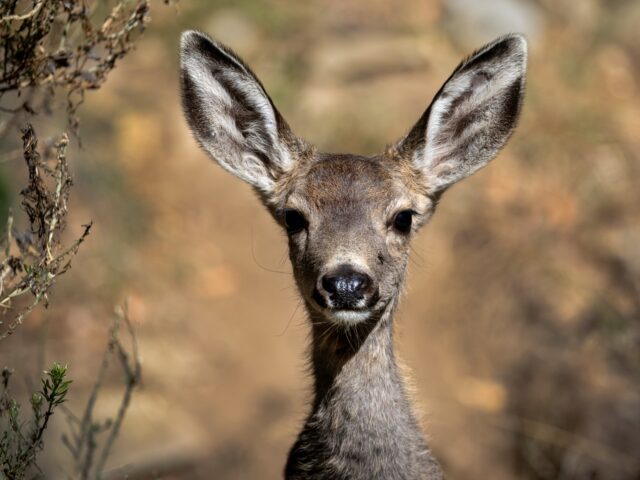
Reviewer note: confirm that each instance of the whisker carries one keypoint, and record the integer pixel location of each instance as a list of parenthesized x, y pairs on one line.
[(348, 335), (295, 310), (255, 259), (357, 333), (326, 334), (287, 287), (414, 253)]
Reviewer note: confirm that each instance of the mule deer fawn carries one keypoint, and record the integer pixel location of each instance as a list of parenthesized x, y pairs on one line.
[(349, 221)]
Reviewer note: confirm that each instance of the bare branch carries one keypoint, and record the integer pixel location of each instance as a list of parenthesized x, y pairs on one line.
[(39, 257), (29, 14)]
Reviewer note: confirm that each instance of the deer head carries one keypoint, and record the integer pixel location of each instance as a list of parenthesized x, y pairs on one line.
[(350, 219)]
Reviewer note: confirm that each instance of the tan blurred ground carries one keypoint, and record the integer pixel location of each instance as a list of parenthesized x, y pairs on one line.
[(521, 323)]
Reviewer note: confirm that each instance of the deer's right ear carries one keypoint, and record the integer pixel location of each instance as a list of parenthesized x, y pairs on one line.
[(231, 115)]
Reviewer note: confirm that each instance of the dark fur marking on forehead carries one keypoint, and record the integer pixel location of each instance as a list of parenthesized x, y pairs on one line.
[(350, 164), (346, 175)]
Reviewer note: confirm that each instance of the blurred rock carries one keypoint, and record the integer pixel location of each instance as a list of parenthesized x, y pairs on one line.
[(617, 71), (627, 26), (218, 281), (483, 394), (232, 28), (473, 23)]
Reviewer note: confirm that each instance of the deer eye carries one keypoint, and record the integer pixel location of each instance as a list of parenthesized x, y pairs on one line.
[(294, 221), (402, 221)]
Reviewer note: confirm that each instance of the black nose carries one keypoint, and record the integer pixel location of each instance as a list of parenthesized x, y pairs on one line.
[(346, 286), (352, 283)]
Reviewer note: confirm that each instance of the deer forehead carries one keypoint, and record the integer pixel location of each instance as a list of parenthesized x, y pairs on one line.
[(339, 185)]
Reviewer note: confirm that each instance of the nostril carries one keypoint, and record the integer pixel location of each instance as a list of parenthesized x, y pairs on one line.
[(330, 283), (358, 283)]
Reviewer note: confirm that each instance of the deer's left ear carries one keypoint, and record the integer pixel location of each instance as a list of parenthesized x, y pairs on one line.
[(231, 115), (471, 117)]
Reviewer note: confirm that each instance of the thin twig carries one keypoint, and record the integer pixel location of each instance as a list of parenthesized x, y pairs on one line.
[(25, 16), (133, 373)]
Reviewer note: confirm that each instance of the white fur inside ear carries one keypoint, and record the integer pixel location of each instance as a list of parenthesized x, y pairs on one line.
[(438, 145), (255, 173), (258, 99), (230, 114)]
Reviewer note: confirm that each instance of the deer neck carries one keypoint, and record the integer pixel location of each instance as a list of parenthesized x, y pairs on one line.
[(355, 371), (361, 425)]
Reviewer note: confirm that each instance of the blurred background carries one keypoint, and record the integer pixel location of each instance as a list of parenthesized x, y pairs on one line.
[(521, 321)]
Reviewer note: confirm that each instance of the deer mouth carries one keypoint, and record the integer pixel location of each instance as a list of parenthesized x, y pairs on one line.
[(345, 314), (345, 302)]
